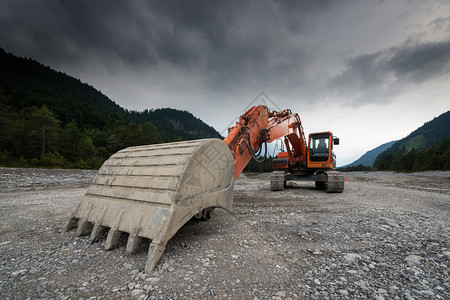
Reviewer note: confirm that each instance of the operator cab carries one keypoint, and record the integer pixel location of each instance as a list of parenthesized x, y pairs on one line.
[(321, 153), (319, 147)]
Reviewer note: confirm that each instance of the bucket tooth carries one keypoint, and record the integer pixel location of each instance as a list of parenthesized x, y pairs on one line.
[(83, 226), (96, 232), (71, 223), (133, 243), (154, 254), (113, 239)]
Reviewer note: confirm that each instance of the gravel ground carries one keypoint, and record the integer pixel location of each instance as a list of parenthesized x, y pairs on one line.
[(385, 237)]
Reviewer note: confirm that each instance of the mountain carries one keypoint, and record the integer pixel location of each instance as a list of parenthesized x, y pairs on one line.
[(431, 133), (426, 148), (369, 157), (26, 82), (48, 118), (176, 124)]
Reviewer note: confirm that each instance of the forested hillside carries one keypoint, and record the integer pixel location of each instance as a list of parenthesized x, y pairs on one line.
[(175, 124), (427, 148), (50, 119)]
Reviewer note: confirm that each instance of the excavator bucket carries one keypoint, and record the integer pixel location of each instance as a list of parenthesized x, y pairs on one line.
[(152, 191)]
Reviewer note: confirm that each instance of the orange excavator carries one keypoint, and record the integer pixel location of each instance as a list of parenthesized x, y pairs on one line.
[(150, 192), (259, 126)]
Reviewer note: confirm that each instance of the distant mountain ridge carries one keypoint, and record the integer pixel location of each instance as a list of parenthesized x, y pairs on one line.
[(369, 157), (431, 133), (174, 124), (426, 148), (26, 82)]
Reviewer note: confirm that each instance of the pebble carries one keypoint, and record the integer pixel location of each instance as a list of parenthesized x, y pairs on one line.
[(137, 292), (351, 257), (343, 292), (388, 222), (427, 292), (281, 294), (414, 259)]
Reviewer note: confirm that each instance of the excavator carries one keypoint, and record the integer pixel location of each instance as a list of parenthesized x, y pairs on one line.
[(150, 192)]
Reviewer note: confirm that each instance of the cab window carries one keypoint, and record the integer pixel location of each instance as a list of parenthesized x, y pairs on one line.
[(318, 148)]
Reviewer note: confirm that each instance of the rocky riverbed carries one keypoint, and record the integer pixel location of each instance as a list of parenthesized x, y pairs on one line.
[(385, 237)]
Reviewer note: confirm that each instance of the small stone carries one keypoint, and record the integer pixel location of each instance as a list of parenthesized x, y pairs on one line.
[(371, 266), (388, 222), (414, 259), (350, 257), (131, 285), (281, 294), (427, 292), (85, 284), (152, 279), (234, 256), (128, 266), (316, 281), (137, 292), (409, 297), (343, 292)]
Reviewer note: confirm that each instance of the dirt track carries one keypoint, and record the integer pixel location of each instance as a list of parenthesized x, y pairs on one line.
[(385, 237)]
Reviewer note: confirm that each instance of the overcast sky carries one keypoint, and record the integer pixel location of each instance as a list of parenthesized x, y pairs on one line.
[(370, 71)]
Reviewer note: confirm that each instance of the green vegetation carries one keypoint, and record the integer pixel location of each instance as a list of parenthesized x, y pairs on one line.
[(431, 133), (426, 148), (352, 168), (34, 137), (49, 119), (435, 157)]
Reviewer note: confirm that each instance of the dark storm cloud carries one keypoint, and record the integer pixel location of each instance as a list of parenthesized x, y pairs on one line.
[(386, 72), (69, 32), (223, 40)]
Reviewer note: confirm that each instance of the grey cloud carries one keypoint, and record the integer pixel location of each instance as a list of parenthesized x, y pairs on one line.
[(225, 45), (422, 62), (386, 72), (441, 24)]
